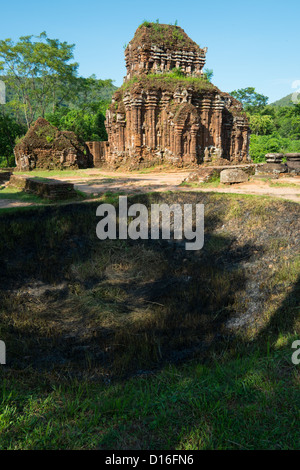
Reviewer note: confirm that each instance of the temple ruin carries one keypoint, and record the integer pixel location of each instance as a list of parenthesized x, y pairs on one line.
[(45, 147), (167, 111)]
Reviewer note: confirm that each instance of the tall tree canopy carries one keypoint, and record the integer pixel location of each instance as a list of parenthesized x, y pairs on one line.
[(249, 98), (10, 129), (39, 71)]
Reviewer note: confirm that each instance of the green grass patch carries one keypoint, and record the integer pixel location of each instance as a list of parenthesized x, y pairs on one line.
[(284, 185), (208, 184), (248, 401), (87, 173), (22, 196), (15, 194), (169, 81)]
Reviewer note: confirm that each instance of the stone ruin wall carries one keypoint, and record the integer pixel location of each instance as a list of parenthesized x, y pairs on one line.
[(99, 151), (49, 159), (50, 189)]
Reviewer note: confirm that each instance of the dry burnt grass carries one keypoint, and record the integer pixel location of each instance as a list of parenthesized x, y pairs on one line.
[(77, 305)]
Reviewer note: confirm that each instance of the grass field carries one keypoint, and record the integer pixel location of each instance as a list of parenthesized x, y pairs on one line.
[(22, 196), (248, 400), (91, 172)]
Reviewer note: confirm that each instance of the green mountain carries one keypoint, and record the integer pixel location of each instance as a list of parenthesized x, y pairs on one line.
[(286, 101)]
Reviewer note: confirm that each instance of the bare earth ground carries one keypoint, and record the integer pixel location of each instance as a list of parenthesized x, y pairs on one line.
[(97, 182), (8, 203)]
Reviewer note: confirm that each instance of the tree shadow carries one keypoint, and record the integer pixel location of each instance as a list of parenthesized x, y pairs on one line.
[(283, 321), (177, 315)]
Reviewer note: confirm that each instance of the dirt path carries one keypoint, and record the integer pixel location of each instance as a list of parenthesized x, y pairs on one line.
[(286, 187), (97, 182), (9, 203), (261, 188)]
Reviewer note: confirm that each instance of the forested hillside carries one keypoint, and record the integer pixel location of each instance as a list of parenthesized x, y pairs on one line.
[(285, 101)]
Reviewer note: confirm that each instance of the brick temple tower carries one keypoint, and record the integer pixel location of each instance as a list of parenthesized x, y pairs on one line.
[(167, 111)]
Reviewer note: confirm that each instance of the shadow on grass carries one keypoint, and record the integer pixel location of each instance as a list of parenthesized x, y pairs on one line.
[(172, 305)]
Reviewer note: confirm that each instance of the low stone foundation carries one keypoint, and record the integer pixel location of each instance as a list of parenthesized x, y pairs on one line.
[(5, 176), (50, 189), (275, 167)]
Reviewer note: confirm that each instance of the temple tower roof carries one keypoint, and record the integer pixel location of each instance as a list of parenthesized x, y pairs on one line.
[(159, 48)]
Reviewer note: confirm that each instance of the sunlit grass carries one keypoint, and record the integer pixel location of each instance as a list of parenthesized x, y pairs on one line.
[(19, 195), (248, 402)]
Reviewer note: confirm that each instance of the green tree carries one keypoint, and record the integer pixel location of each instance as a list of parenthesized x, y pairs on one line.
[(249, 98), (287, 120), (208, 74), (260, 145), (87, 123), (261, 124), (9, 131), (39, 71), (91, 91), (290, 127)]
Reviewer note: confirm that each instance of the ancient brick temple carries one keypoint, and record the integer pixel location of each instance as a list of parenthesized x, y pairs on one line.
[(45, 147), (167, 111)]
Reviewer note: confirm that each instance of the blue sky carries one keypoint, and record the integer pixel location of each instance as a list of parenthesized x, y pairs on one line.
[(250, 43)]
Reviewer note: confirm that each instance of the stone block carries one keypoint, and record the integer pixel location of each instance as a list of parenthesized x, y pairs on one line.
[(232, 176), (203, 175)]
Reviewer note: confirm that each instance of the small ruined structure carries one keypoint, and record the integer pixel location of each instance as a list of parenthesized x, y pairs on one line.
[(97, 150), (45, 147), (273, 166), (167, 111), (50, 189)]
